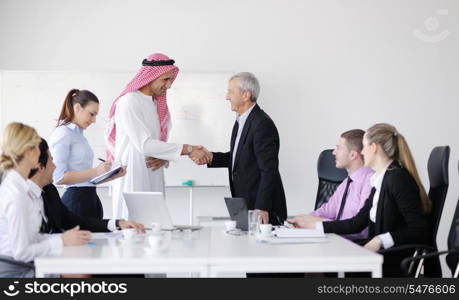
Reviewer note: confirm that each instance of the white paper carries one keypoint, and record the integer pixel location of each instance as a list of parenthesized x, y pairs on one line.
[(283, 232), (106, 235), (283, 241)]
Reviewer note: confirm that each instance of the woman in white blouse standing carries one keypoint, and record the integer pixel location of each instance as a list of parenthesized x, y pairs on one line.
[(138, 131), (20, 214)]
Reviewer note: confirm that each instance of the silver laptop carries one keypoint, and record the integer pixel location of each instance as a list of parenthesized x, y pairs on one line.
[(149, 207)]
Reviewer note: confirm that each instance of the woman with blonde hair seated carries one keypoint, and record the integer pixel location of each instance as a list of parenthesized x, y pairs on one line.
[(21, 212)]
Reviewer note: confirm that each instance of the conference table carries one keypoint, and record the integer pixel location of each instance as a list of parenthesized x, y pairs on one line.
[(210, 252)]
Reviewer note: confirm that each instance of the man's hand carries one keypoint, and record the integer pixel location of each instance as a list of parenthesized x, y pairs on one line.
[(154, 163), (201, 155), (263, 216), (139, 228), (374, 245), (305, 221), (76, 237)]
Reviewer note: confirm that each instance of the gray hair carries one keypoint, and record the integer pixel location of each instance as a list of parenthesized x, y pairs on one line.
[(248, 83)]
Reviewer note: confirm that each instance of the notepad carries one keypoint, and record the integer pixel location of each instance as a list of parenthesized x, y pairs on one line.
[(115, 169), (283, 232), (286, 241), (106, 235)]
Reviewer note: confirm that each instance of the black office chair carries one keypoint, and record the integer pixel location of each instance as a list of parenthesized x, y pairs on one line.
[(452, 254), (439, 182), (22, 266), (329, 177)]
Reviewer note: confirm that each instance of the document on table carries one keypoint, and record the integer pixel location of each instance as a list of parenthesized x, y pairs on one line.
[(284, 241), (106, 235), (283, 232)]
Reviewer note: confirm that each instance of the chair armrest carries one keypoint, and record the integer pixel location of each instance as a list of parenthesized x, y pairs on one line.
[(11, 261), (407, 247), (406, 261)]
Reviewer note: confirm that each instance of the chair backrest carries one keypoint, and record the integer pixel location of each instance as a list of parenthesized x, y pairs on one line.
[(452, 259), (329, 177), (439, 181)]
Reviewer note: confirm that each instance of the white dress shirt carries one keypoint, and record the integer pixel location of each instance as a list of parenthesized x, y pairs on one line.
[(20, 220), (138, 137), (37, 194), (241, 119)]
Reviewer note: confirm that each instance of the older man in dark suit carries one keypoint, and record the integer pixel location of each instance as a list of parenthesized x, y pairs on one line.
[(253, 161)]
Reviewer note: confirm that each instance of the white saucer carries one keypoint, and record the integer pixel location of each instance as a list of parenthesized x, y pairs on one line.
[(260, 237), (234, 232)]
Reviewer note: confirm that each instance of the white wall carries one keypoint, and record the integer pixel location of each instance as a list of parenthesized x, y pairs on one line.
[(325, 65)]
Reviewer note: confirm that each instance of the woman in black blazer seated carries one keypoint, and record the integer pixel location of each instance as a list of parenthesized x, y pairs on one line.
[(397, 208)]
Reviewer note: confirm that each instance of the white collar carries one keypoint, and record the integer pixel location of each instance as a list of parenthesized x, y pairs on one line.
[(243, 117), (18, 179), (34, 189), (74, 127), (376, 178)]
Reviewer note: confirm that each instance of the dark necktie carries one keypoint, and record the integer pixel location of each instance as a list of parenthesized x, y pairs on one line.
[(44, 228), (234, 135), (343, 201)]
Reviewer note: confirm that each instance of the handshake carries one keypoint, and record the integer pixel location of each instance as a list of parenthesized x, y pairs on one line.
[(200, 155)]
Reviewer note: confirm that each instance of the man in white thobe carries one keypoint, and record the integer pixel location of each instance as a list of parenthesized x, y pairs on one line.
[(137, 134)]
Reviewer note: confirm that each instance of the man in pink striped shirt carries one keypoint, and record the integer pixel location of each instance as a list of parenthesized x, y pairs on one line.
[(352, 193)]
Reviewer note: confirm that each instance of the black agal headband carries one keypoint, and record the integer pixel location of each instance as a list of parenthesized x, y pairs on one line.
[(155, 63)]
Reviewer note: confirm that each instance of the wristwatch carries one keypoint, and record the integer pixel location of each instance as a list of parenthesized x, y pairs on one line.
[(189, 149), (117, 224)]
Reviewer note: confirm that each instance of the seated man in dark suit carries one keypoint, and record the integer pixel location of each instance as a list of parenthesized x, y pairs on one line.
[(56, 217)]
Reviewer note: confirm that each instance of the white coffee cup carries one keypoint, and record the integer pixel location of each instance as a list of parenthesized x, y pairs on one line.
[(266, 229), (129, 233), (156, 228), (230, 225)]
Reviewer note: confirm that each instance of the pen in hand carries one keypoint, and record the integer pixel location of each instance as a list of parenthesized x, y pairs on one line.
[(104, 166)]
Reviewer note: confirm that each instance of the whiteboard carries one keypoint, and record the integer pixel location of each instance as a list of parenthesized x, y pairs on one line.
[(200, 114)]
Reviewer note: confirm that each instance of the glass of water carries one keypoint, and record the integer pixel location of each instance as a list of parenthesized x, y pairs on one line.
[(254, 222)]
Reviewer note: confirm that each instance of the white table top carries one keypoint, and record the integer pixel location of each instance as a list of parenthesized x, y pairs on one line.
[(245, 253), (210, 251), (245, 247), (186, 252)]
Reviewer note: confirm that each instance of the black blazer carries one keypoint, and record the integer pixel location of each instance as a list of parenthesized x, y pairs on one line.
[(61, 219), (256, 174), (399, 211)]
